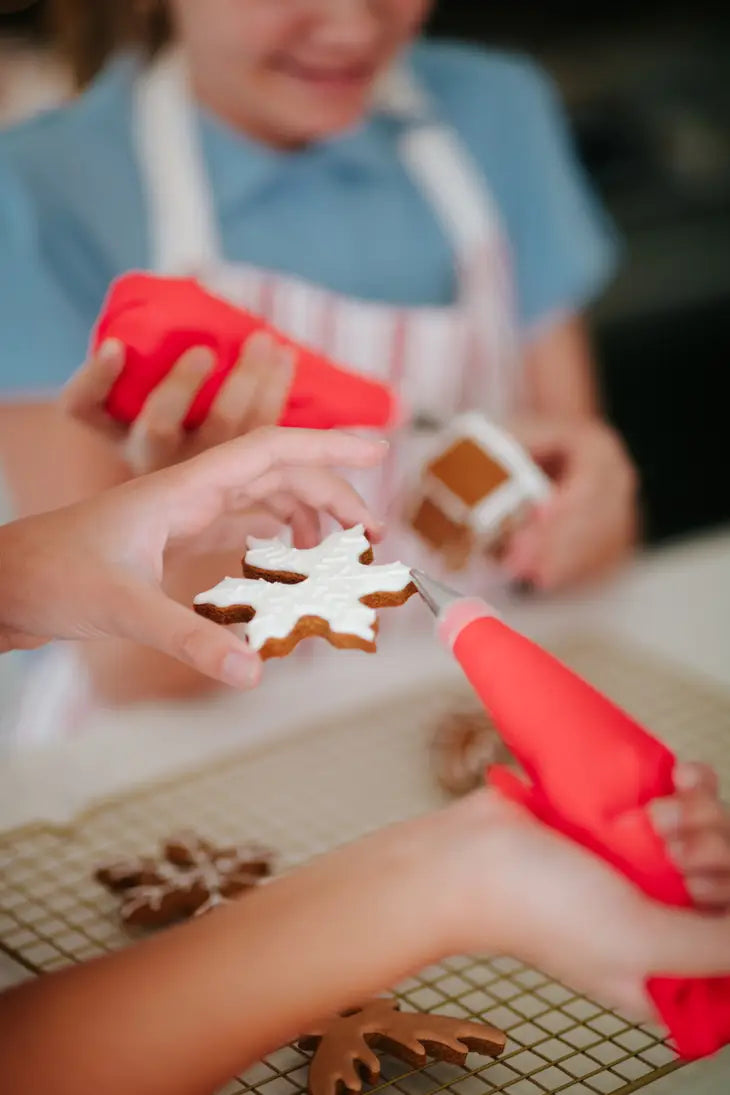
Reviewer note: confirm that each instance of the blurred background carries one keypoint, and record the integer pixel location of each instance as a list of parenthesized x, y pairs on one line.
[(648, 92)]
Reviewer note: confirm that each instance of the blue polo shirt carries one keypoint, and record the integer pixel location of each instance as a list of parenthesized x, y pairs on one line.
[(342, 213)]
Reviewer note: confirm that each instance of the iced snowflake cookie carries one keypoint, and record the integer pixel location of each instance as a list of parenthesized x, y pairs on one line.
[(191, 877), (289, 594)]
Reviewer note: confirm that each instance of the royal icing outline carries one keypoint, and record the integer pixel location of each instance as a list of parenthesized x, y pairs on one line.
[(206, 867), (334, 583)]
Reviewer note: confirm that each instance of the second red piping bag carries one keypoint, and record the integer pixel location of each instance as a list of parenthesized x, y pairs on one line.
[(590, 771), (158, 319)]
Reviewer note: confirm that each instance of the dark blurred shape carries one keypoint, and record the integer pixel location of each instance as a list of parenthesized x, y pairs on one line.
[(666, 385), (25, 17), (649, 97)]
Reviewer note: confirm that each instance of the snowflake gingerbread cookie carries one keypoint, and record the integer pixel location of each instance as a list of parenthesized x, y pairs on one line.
[(289, 594), (192, 877)]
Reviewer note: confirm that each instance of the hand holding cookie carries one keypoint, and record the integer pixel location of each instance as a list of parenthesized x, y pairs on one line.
[(94, 570)]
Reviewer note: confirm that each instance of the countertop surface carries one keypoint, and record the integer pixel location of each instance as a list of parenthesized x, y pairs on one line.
[(673, 602)]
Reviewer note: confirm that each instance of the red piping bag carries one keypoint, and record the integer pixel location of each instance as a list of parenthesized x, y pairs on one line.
[(158, 319), (590, 771)]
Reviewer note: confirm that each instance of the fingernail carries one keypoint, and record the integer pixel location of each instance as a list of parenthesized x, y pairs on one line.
[(203, 360), (665, 814), (111, 350), (685, 777), (241, 670)]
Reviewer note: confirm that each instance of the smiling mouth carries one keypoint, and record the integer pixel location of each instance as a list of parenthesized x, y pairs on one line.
[(342, 76)]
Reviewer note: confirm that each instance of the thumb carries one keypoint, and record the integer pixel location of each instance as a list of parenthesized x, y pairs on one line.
[(153, 619), (685, 943), (551, 443), (538, 434)]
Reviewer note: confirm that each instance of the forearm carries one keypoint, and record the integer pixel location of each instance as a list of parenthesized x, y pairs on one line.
[(559, 369), (183, 1012)]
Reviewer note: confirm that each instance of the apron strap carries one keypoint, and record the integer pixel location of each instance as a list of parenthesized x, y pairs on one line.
[(182, 221), (439, 162), (455, 188)]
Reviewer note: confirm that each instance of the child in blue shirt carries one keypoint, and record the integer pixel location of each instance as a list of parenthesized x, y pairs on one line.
[(414, 208)]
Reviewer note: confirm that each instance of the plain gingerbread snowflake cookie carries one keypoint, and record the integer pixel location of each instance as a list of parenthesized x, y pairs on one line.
[(289, 594)]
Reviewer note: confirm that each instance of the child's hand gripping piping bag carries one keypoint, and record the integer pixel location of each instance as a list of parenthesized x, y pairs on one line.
[(158, 319), (591, 771)]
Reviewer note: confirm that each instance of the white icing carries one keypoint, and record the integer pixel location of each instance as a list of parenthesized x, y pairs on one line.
[(526, 482), (211, 903), (190, 844), (145, 897), (227, 864), (126, 868), (207, 870), (335, 581)]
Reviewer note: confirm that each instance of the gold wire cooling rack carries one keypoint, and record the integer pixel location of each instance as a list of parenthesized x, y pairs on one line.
[(292, 797)]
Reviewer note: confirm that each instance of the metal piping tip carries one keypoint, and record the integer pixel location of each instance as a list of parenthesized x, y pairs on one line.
[(435, 594)]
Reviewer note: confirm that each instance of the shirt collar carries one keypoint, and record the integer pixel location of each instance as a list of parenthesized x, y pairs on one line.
[(238, 166), (241, 168)]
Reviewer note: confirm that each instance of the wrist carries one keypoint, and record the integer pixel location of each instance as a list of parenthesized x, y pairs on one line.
[(421, 862), (457, 845), (406, 869)]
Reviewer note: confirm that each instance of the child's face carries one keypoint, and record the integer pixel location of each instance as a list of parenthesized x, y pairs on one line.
[(293, 71)]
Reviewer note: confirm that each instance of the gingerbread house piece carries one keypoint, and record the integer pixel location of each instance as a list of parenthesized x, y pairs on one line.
[(478, 482)]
